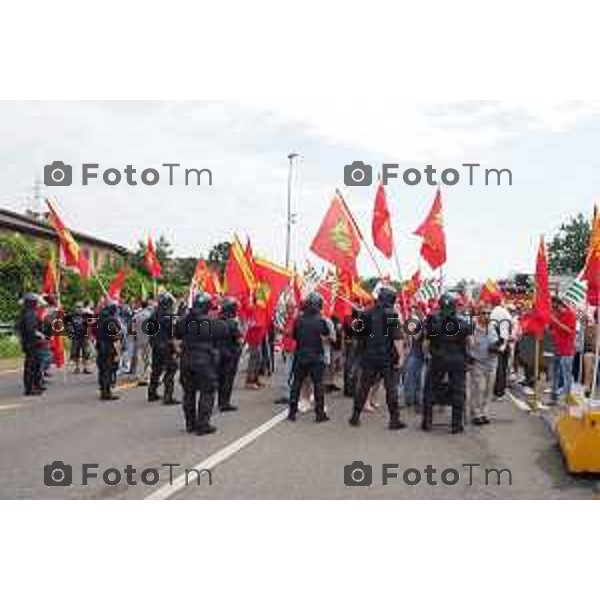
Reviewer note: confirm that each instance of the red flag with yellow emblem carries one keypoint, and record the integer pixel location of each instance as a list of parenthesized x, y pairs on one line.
[(382, 225), (239, 276), (70, 253), (338, 240), (271, 281), (50, 281), (433, 249)]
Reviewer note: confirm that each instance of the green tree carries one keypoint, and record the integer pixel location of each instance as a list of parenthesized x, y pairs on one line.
[(164, 253), (21, 267), (567, 250), (218, 255)]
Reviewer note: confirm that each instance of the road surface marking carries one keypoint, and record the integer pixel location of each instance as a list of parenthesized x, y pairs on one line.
[(10, 406), (167, 491), (520, 404), (9, 371)]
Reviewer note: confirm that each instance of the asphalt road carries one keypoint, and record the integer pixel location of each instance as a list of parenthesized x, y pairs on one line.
[(256, 454)]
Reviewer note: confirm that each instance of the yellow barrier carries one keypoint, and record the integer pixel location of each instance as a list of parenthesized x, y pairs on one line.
[(579, 436)]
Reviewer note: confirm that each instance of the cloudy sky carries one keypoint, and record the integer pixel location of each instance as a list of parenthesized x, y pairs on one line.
[(551, 149)]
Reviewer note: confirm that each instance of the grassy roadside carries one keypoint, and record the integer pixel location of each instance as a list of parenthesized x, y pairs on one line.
[(10, 353)]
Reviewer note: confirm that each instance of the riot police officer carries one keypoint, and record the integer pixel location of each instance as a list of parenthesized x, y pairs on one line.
[(164, 358), (309, 332), (380, 350), (108, 340), (29, 330), (230, 350), (199, 359), (447, 339)]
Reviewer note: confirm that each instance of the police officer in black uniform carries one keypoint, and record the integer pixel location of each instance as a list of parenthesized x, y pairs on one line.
[(447, 340), (197, 341), (230, 350), (29, 330), (108, 341), (309, 359), (164, 357), (380, 350)]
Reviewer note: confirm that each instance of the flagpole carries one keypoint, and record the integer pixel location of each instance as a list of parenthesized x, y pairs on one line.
[(536, 376), (360, 235)]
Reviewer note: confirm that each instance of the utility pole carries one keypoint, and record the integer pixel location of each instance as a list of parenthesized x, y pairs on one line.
[(290, 217), (37, 205)]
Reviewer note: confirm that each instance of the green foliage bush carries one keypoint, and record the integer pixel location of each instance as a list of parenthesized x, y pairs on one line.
[(22, 265), (9, 346)]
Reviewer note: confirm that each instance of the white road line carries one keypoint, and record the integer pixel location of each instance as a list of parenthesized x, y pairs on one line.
[(520, 404), (169, 490)]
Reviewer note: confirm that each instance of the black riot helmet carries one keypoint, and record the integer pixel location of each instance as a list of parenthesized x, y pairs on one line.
[(166, 301), (30, 300), (447, 304), (202, 303), (229, 307), (313, 302), (386, 297)]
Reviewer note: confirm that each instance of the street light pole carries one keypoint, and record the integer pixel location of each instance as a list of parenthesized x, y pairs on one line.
[(288, 238)]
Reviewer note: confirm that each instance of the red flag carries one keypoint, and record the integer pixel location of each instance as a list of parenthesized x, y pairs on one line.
[(239, 276), (490, 292), (151, 260), (542, 304), (382, 226), (591, 271), (70, 254), (338, 238), (248, 252), (324, 289), (50, 281), (433, 249), (342, 306), (271, 281), (114, 290), (297, 289)]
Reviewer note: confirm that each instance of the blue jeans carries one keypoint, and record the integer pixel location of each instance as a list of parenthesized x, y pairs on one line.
[(413, 369), (562, 375)]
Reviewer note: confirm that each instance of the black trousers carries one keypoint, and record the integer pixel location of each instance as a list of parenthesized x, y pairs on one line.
[(105, 361), (315, 372), (368, 378), (501, 374), (199, 382), (32, 372), (351, 371), (226, 371), (163, 361), (437, 391)]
